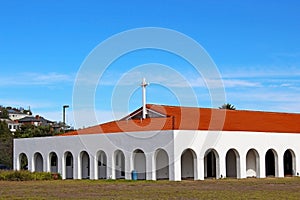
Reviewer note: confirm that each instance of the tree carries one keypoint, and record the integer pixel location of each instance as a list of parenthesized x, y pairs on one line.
[(28, 112), (3, 113), (227, 106), (6, 145), (30, 130)]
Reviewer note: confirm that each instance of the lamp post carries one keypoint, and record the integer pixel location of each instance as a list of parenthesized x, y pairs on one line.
[(64, 114)]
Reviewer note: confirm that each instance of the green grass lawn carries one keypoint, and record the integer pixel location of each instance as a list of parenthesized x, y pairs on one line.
[(271, 188)]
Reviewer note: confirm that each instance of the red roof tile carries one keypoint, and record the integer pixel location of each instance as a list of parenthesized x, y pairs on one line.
[(191, 118)]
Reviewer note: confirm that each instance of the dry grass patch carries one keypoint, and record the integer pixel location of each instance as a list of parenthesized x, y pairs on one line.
[(287, 188)]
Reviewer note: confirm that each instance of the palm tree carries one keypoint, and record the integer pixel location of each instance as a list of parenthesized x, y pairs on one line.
[(227, 106)]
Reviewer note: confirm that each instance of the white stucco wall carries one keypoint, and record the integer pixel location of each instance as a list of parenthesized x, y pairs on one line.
[(222, 141), (148, 142), (174, 143)]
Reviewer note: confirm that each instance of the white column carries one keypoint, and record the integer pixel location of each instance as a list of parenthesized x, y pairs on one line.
[(44, 161), (63, 167), (175, 170), (150, 166), (279, 167), (48, 163), (262, 165), (242, 171), (222, 166), (30, 163), (92, 167), (128, 165), (200, 169), (296, 166), (60, 164), (153, 169), (76, 167), (111, 171), (95, 163), (17, 161)]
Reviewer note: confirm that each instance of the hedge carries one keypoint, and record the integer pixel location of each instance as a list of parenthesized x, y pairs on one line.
[(24, 175)]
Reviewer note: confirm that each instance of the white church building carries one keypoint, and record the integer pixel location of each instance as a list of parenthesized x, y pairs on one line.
[(171, 142), (174, 143)]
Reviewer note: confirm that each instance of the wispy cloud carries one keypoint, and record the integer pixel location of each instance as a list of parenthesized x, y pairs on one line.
[(29, 78), (287, 55), (228, 83), (25, 103), (284, 99), (174, 80), (240, 83), (87, 117), (261, 72), (50, 77)]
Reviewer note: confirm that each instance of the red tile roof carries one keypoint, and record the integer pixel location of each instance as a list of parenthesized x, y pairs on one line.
[(191, 118)]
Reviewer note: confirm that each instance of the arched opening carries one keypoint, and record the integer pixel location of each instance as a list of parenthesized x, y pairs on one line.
[(232, 163), (289, 163), (210, 164), (162, 164), (270, 161), (85, 165), (23, 162), (38, 162), (53, 162), (119, 164), (188, 162), (102, 165), (139, 164), (252, 163), (69, 165)]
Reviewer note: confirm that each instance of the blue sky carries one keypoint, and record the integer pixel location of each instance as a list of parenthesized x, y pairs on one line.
[(255, 46)]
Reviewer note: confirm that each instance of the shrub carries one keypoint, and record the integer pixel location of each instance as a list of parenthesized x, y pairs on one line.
[(25, 175)]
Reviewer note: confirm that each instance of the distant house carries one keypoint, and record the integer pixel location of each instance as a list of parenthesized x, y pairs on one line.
[(37, 121), (18, 117), (13, 126), (16, 114)]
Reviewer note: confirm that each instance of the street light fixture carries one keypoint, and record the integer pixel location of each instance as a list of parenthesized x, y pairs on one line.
[(64, 114)]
